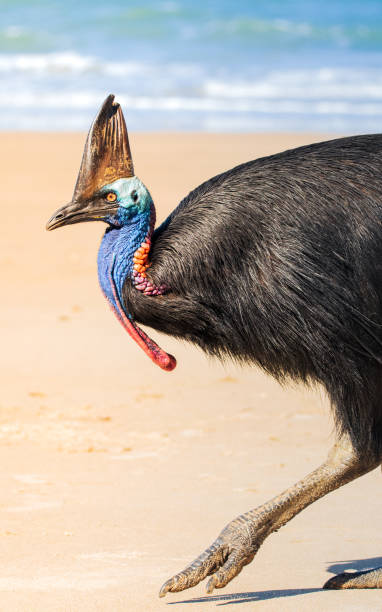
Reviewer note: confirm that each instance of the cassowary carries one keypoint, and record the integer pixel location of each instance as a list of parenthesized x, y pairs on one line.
[(277, 262)]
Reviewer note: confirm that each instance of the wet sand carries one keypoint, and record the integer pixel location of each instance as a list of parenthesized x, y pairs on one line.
[(114, 474)]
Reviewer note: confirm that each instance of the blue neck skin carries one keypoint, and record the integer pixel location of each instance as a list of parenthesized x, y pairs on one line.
[(128, 229)]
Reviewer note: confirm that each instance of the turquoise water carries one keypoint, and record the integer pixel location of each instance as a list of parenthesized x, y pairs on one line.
[(216, 65)]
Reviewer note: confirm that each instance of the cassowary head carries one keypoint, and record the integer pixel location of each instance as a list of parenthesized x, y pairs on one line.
[(106, 188)]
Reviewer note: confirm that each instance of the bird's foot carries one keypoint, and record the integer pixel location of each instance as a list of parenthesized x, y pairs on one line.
[(369, 579), (235, 547)]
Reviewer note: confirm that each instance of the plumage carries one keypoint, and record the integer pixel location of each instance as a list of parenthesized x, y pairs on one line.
[(277, 262)]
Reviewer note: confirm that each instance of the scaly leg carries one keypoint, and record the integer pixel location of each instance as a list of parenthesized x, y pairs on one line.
[(239, 541)]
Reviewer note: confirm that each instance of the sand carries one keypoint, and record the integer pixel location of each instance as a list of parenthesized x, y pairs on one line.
[(114, 474)]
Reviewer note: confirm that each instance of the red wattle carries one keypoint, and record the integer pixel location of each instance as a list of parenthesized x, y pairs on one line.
[(164, 360)]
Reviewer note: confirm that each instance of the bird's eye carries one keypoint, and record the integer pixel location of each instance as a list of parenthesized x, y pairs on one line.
[(111, 196), (134, 196)]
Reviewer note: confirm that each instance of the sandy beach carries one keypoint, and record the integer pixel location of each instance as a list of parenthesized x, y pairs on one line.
[(114, 474)]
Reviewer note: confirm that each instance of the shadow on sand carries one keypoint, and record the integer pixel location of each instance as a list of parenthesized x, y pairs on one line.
[(238, 598), (355, 564)]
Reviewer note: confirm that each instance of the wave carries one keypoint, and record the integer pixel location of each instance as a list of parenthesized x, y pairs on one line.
[(198, 24), (72, 100), (290, 32), (69, 62), (331, 83)]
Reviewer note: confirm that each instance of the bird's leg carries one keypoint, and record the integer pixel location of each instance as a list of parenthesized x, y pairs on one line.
[(367, 579), (239, 541)]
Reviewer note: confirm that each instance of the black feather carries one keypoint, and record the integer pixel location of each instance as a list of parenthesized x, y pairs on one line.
[(279, 262)]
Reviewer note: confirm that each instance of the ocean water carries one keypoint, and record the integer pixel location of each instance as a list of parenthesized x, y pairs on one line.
[(207, 65)]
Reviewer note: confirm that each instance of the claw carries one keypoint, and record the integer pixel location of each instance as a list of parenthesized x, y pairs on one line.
[(165, 588), (211, 584)]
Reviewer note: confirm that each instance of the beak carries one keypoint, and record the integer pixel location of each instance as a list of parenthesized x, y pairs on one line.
[(77, 212)]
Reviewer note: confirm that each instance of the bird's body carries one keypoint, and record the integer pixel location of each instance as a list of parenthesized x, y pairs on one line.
[(277, 262)]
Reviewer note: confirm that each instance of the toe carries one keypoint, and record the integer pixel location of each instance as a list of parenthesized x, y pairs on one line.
[(203, 566), (231, 568), (369, 579)]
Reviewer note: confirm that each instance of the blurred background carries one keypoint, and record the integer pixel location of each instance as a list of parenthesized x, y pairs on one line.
[(200, 65)]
